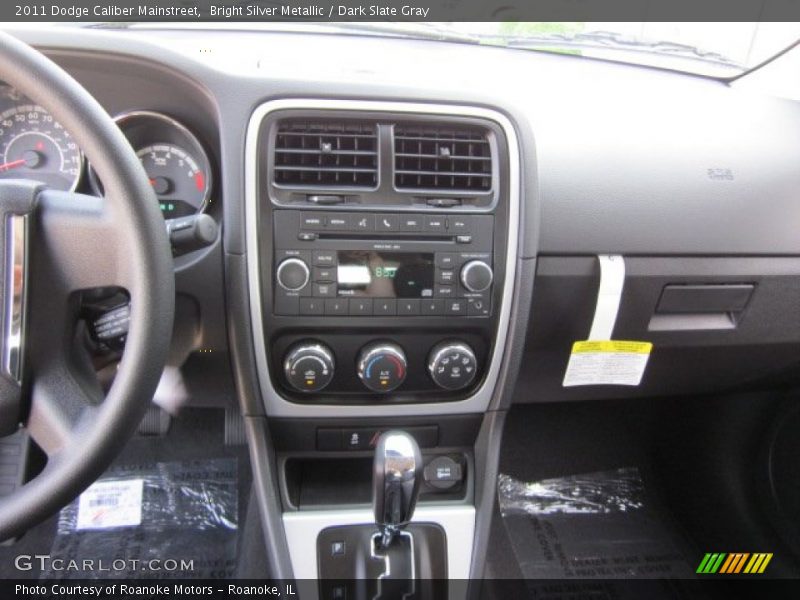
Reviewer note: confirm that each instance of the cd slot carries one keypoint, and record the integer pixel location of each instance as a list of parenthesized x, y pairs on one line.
[(382, 238)]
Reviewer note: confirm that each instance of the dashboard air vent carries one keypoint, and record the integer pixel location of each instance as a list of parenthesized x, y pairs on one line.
[(442, 158), (326, 153)]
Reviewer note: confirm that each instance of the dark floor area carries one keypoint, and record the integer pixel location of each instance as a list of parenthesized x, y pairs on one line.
[(702, 462), (197, 435)]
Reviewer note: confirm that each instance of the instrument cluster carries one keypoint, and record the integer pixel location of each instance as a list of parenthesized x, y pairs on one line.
[(33, 145)]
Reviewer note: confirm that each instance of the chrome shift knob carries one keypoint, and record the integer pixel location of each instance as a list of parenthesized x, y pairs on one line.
[(397, 470)]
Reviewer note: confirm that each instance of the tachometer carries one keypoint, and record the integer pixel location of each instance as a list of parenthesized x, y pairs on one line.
[(33, 145), (173, 158), (177, 179)]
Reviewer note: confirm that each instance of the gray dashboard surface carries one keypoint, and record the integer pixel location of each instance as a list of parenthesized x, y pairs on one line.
[(616, 158)]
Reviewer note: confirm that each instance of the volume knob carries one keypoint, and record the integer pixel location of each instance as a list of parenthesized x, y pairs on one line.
[(476, 276), (292, 274)]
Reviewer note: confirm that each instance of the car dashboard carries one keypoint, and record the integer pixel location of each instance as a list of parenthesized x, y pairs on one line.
[(409, 237)]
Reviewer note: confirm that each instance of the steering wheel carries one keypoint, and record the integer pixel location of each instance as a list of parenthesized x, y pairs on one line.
[(53, 246)]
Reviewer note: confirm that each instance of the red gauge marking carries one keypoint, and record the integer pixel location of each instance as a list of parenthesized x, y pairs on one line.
[(200, 181), (152, 181), (40, 145), (12, 165), (398, 364)]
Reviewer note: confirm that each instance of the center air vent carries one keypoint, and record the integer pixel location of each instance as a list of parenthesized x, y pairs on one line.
[(442, 158), (312, 153)]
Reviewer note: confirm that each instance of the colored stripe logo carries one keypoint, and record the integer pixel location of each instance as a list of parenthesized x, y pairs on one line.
[(734, 563)]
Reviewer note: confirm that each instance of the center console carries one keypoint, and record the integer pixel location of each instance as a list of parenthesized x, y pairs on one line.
[(382, 243)]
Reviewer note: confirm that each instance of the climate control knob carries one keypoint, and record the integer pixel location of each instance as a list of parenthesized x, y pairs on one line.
[(476, 276), (452, 365), (382, 366), (309, 366), (292, 274)]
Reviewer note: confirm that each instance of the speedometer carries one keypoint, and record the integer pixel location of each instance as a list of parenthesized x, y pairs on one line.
[(33, 145)]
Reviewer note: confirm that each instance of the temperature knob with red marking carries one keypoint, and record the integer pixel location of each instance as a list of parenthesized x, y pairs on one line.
[(382, 366)]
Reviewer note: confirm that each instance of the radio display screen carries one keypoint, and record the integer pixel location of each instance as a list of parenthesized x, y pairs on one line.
[(376, 274)]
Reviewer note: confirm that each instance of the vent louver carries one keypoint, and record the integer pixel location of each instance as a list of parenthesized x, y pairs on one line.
[(326, 153), (453, 159)]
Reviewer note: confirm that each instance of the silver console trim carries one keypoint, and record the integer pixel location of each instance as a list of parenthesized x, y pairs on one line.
[(275, 404), (303, 527)]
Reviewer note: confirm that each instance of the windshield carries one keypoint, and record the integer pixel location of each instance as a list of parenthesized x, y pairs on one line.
[(713, 49), (722, 50)]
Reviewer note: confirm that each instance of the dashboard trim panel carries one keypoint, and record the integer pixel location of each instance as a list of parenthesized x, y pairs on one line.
[(275, 404)]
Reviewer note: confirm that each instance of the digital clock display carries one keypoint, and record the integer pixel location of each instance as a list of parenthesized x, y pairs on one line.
[(374, 274)]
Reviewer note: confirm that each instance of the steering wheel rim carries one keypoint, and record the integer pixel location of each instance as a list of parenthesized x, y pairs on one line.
[(80, 432)]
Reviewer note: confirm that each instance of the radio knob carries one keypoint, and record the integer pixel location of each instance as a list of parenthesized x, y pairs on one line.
[(293, 274), (309, 366), (452, 365), (476, 276), (382, 366)]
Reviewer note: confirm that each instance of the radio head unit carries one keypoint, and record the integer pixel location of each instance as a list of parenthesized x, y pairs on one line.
[(382, 264)]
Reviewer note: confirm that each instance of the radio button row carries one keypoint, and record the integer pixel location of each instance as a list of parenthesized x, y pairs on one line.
[(346, 221), (383, 307)]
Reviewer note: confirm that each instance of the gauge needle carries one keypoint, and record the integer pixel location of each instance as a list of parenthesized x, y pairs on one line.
[(12, 165), (30, 158)]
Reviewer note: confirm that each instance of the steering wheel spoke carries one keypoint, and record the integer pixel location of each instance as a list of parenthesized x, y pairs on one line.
[(63, 401), (78, 244)]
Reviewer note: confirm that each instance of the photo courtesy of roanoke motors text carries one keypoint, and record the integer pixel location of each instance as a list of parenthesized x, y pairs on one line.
[(415, 300)]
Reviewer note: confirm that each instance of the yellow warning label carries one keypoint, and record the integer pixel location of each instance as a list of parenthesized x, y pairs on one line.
[(607, 362), (612, 346)]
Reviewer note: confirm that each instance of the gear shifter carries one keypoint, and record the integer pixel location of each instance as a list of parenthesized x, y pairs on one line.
[(397, 470)]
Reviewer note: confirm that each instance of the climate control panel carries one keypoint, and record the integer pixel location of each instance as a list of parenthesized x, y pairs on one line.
[(380, 366)]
